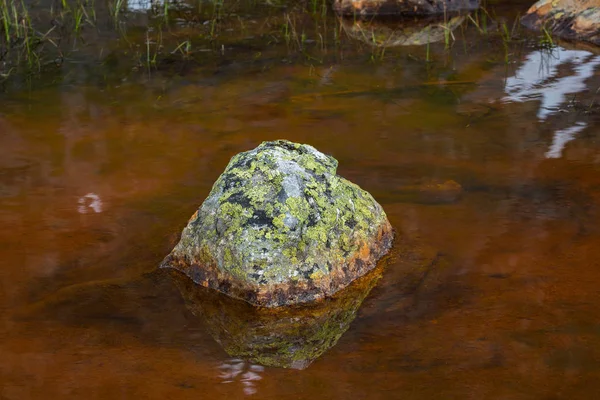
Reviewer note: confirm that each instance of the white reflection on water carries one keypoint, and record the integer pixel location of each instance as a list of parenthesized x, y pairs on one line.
[(542, 78), (562, 137), (143, 5), (242, 371), (90, 201)]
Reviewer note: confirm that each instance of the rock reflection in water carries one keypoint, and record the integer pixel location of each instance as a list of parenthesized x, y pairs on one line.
[(401, 32), (290, 337)]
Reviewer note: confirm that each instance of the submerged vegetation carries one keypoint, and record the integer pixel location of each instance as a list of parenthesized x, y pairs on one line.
[(123, 38)]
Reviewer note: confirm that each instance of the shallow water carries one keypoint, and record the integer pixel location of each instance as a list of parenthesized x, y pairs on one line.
[(99, 176)]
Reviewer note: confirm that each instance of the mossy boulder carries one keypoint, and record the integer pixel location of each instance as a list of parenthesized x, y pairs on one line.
[(280, 227)]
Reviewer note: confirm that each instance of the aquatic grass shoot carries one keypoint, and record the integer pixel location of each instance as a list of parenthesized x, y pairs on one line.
[(448, 35), (546, 40), (115, 8), (15, 20), (480, 21), (184, 48), (18, 33)]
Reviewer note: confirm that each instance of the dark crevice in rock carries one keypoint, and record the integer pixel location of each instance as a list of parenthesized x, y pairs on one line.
[(241, 163), (312, 220), (255, 276), (350, 223), (239, 198), (282, 196), (232, 181), (260, 218), (225, 286)]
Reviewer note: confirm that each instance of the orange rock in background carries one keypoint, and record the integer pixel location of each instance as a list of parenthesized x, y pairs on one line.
[(570, 19)]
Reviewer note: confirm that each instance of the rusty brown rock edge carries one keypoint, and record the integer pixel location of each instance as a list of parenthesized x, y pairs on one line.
[(290, 293), (408, 8)]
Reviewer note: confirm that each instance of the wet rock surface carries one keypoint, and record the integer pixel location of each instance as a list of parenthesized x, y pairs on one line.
[(570, 19), (280, 227), (402, 7)]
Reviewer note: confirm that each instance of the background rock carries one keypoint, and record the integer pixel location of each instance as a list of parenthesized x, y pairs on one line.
[(570, 19), (402, 7)]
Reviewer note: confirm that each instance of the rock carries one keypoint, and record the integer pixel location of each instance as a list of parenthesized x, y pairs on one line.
[(569, 19), (280, 227), (402, 7)]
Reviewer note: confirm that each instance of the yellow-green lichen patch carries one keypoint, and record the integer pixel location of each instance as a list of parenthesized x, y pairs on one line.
[(279, 214)]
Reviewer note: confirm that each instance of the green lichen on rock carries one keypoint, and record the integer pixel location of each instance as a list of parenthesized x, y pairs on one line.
[(280, 216)]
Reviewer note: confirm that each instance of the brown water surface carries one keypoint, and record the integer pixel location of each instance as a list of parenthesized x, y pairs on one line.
[(98, 177)]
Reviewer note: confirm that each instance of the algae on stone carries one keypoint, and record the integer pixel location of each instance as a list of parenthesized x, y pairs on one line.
[(280, 227)]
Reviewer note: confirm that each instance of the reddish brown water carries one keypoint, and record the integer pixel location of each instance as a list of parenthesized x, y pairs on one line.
[(96, 182)]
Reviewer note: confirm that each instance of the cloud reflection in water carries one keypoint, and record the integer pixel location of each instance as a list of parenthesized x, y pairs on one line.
[(542, 77)]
